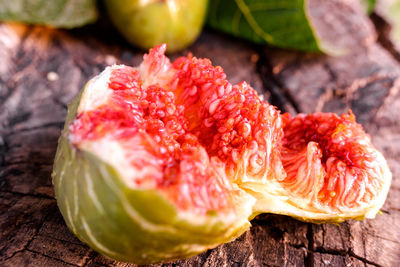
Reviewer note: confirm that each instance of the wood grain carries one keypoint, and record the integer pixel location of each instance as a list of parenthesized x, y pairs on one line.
[(42, 69)]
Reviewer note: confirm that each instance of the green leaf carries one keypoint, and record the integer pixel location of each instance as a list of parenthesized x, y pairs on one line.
[(57, 13), (282, 23), (369, 5)]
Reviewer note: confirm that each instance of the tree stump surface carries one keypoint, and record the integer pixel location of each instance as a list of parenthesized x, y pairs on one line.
[(42, 69)]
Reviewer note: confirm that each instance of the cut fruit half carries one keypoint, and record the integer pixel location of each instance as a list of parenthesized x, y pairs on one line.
[(333, 172), (166, 160), (160, 147)]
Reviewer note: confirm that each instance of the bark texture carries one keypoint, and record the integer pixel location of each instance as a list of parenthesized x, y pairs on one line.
[(43, 69)]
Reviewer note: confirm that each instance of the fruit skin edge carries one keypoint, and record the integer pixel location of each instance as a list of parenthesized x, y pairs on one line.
[(268, 202), (108, 216)]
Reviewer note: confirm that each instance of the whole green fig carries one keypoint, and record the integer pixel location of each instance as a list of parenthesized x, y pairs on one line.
[(146, 23)]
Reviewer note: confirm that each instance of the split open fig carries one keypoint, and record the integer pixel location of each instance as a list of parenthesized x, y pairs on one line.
[(166, 160)]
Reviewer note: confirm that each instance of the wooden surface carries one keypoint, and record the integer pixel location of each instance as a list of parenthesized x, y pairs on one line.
[(42, 69)]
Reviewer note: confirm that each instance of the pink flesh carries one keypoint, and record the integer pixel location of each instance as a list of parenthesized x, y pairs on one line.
[(194, 125)]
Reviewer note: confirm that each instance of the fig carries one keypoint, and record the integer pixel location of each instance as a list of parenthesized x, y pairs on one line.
[(332, 171), (167, 160), (146, 23)]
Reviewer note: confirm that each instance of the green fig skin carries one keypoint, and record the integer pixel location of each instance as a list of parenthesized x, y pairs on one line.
[(146, 23), (125, 224)]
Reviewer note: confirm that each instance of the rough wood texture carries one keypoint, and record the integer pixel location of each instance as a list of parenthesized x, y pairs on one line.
[(382, 20), (42, 69)]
